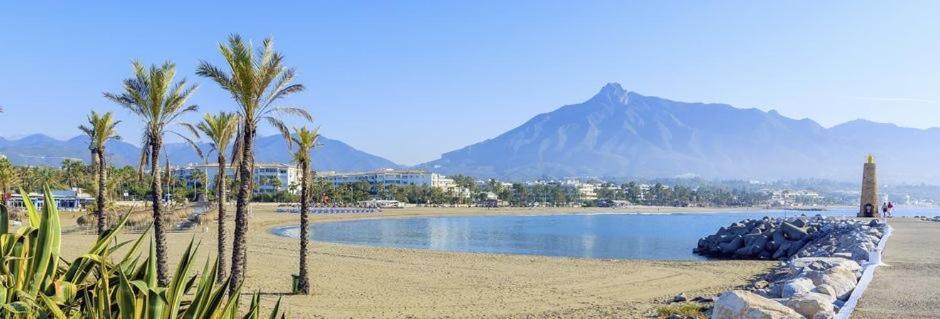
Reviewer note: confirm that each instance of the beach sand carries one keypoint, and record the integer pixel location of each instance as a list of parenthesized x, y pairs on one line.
[(906, 284), (370, 282)]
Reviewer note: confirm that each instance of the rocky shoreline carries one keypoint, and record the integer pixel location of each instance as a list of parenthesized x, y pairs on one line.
[(822, 259), (929, 219)]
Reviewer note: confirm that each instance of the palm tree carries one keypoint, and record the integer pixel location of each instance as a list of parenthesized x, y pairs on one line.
[(256, 81), (47, 176), (26, 176), (153, 96), (73, 170), (197, 180), (101, 129), (305, 140), (220, 129), (7, 178)]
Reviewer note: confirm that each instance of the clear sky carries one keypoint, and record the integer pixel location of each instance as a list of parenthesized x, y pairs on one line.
[(411, 80)]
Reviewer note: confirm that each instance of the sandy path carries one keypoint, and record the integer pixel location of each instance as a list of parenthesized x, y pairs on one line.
[(356, 282), (908, 286)]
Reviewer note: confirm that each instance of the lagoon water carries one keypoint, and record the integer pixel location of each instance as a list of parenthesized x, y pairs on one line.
[(603, 236)]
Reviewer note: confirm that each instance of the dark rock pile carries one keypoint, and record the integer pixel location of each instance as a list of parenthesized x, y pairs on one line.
[(814, 281), (766, 238), (850, 239), (929, 219)]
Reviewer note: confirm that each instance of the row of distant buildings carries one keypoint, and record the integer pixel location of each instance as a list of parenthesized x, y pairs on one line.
[(268, 178), (793, 197), (273, 178)]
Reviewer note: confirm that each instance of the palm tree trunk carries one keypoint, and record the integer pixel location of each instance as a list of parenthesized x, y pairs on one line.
[(304, 283), (220, 197), (99, 210), (241, 207), (159, 229)]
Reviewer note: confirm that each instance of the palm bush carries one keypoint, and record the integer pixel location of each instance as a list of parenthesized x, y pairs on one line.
[(35, 283)]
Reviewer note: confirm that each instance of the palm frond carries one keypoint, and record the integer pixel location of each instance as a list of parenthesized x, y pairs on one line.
[(295, 111), (191, 143), (238, 145), (190, 128), (144, 159), (279, 125)]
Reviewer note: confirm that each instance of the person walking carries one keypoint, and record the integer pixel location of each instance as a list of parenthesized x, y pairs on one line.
[(890, 209), (884, 209)]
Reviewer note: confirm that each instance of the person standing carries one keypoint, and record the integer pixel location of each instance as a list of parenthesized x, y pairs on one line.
[(890, 209)]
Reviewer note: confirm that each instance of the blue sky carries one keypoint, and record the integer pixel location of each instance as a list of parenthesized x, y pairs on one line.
[(411, 80)]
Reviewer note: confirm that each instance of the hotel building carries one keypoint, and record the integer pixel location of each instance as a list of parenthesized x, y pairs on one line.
[(269, 178), (388, 177)]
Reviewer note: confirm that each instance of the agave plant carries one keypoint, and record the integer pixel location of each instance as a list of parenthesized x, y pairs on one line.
[(34, 283)]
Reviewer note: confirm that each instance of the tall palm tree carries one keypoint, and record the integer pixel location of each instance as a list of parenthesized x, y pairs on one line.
[(220, 129), (305, 139), (256, 81), (100, 129), (159, 102)]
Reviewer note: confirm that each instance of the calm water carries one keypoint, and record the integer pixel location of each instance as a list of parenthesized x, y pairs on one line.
[(604, 236)]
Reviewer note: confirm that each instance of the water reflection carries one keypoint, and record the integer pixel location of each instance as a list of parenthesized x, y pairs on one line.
[(604, 236)]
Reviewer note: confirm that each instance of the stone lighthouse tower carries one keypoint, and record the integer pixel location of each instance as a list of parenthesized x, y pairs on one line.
[(869, 207)]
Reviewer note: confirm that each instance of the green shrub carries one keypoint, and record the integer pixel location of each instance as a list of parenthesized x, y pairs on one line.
[(35, 283), (683, 310)]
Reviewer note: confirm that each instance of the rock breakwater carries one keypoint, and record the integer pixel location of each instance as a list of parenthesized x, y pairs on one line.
[(929, 219), (822, 259)]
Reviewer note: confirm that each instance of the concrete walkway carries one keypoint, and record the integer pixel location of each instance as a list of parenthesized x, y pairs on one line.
[(908, 285)]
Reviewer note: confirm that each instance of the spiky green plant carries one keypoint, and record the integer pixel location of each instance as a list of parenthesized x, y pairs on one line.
[(34, 283)]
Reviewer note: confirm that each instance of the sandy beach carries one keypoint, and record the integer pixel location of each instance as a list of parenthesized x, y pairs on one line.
[(369, 282), (905, 286)]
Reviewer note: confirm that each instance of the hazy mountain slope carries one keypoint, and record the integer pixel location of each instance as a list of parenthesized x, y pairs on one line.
[(39, 149), (619, 133), (903, 154)]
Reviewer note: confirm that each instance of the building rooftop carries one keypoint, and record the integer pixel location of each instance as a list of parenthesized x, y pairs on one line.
[(379, 171), (257, 165)]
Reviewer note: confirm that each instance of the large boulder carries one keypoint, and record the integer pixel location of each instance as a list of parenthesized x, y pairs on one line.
[(731, 246), (826, 290), (841, 279), (797, 286), (739, 304), (793, 232), (798, 265), (811, 304)]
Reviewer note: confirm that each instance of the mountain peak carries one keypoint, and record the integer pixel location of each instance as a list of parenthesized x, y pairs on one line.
[(612, 92), (37, 138)]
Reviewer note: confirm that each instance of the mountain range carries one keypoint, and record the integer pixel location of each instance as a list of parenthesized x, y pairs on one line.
[(618, 133), (329, 155), (614, 134)]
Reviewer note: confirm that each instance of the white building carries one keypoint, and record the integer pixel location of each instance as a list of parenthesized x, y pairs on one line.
[(389, 177), (268, 178), (586, 191), (65, 200)]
